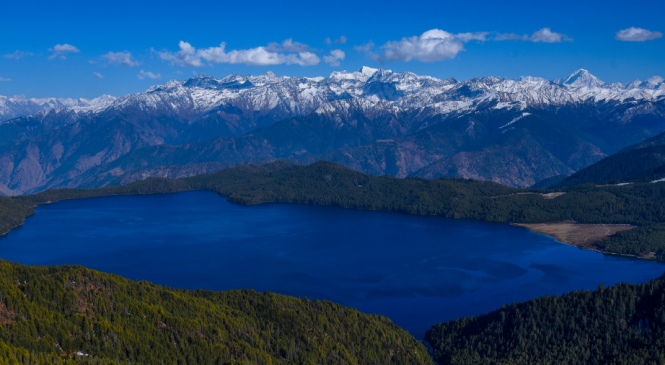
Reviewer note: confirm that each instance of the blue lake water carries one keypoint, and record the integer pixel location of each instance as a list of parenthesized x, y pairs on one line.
[(416, 270)]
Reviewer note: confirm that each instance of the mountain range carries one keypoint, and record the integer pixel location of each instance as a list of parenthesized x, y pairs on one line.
[(511, 131), (18, 106)]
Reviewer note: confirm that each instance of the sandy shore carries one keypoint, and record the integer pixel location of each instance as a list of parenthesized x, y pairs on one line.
[(548, 196), (580, 235)]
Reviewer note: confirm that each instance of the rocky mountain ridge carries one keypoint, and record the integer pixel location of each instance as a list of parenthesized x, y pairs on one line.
[(19, 105), (513, 131)]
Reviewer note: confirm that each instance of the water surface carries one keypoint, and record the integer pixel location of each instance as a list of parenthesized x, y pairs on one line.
[(416, 270)]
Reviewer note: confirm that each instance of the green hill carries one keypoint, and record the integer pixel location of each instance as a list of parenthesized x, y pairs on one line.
[(644, 161), (48, 315), (622, 324)]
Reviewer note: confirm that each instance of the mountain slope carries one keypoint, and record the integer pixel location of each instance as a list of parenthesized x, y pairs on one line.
[(69, 313), (644, 161), (622, 324), (377, 121), (512, 147)]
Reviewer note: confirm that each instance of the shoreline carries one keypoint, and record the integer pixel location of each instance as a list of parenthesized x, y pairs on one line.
[(570, 233), (582, 235)]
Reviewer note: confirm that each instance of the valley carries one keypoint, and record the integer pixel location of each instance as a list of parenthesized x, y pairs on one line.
[(347, 183), (371, 140)]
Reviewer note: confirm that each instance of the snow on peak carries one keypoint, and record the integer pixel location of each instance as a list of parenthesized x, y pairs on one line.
[(368, 71), (583, 78), (530, 78), (19, 106), (385, 88), (168, 85), (655, 80), (96, 104)]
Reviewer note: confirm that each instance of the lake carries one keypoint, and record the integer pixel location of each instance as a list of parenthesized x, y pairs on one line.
[(417, 270)]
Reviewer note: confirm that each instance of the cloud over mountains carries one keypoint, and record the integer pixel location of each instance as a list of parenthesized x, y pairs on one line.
[(120, 58), (289, 52), (433, 45), (438, 45)]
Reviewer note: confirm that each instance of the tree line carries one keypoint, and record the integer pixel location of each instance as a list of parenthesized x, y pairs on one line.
[(325, 183)]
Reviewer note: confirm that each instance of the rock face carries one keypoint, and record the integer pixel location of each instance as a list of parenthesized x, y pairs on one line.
[(514, 132)]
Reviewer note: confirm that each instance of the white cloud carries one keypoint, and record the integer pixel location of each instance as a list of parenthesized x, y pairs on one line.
[(547, 36), (120, 58), (327, 40), (477, 36), (364, 47), (510, 37), (4, 79), (438, 45), (17, 55), (287, 46), (433, 45), (259, 56), (59, 50), (98, 75), (147, 74), (655, 79), (633, 34), (336, 55), (341, 40), (368, 48), (185, 57)]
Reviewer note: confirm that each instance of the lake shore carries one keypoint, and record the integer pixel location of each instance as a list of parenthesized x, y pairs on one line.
[(581, 235)]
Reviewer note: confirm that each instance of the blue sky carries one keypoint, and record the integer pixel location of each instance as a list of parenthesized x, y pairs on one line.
[(62, 48)]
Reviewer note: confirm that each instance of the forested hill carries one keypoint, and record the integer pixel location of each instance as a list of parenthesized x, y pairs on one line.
[(622, 324), (73, 315), (325, 183), (644, 161)]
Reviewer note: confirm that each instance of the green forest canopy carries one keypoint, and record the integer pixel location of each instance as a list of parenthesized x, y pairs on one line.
[(60, 314), (622, 324)]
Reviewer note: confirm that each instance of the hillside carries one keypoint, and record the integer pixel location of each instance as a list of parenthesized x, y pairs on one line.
[(644, 161), (74, 315), (622, 324), (511, 131)]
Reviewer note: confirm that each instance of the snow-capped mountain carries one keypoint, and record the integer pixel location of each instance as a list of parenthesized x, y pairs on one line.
[(513, 131), (18, 106), (292, 96)]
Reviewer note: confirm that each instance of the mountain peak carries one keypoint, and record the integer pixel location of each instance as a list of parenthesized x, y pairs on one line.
[(583, 78), (368, 71), (655, 80)]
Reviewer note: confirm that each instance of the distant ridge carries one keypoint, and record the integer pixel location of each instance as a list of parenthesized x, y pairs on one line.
[(513, 132), (644, 161)]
